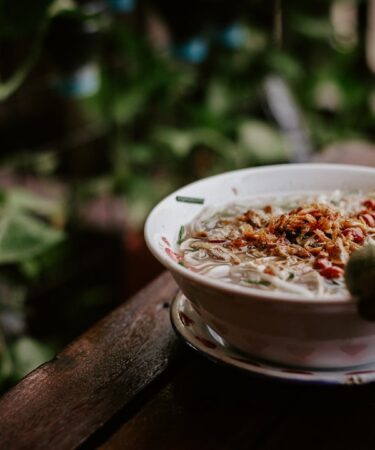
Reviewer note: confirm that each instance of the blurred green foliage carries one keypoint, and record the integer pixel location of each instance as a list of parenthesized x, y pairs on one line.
[(23, 235), (30, 228), (169, 122)]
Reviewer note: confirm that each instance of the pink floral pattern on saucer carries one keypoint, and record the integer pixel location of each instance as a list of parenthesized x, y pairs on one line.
[(193, 330)]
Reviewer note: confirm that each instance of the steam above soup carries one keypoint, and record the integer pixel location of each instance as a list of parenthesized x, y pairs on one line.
[(297, 244)]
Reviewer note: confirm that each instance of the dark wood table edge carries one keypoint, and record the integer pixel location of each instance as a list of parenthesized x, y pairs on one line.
[(66, 400)]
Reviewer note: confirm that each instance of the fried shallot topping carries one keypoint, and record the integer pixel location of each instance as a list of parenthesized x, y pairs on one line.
[(317, 232)]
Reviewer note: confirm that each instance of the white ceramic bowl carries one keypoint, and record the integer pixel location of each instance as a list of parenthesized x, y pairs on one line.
[(283, 328)]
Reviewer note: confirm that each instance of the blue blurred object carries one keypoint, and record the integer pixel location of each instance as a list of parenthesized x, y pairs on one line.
[(122, 6), (81, 83), (232, 36), (193, 51)]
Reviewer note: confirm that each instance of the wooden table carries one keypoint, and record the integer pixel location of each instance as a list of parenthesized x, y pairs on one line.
[(129, 383)]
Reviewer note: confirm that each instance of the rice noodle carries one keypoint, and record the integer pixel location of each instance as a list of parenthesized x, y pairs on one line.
[(297, 244)]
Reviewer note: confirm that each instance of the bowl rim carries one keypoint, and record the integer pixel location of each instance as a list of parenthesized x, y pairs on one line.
[(249, 292)]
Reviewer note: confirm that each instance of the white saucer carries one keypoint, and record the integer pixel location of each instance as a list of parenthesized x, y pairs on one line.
[(193, 330)]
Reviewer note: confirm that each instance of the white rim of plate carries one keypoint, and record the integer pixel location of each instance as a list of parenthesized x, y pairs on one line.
[(195, 332)]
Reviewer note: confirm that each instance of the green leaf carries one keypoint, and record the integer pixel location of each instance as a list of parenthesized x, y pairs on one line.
[(182, 142), (179, 142), (21, 199), (6, 365), (219, 98), (28, 354), (262, 141), (284, 64), (23, 237), (128, 105), (3, 197), (319, 28)]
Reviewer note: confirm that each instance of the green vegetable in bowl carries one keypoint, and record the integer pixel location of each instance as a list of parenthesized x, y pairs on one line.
[(360, 279)]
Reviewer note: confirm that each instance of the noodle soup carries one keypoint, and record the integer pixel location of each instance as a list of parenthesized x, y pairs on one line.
[(297, 244)]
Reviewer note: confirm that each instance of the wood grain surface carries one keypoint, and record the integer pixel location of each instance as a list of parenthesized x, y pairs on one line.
[(63, 402), (330, 418), (206, 406)]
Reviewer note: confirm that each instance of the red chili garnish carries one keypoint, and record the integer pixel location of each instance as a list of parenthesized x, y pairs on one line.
[(370, 203), (238, 242), (269, 270), (332, 272), (369, 219), (355, 234), (173, 255), (322, 263)]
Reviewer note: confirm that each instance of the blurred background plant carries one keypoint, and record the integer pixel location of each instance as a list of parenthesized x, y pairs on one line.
[(109, 105)]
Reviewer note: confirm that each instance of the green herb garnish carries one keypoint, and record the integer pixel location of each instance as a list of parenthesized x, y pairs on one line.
[(181, 235), (196, 200), (258, 283)]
